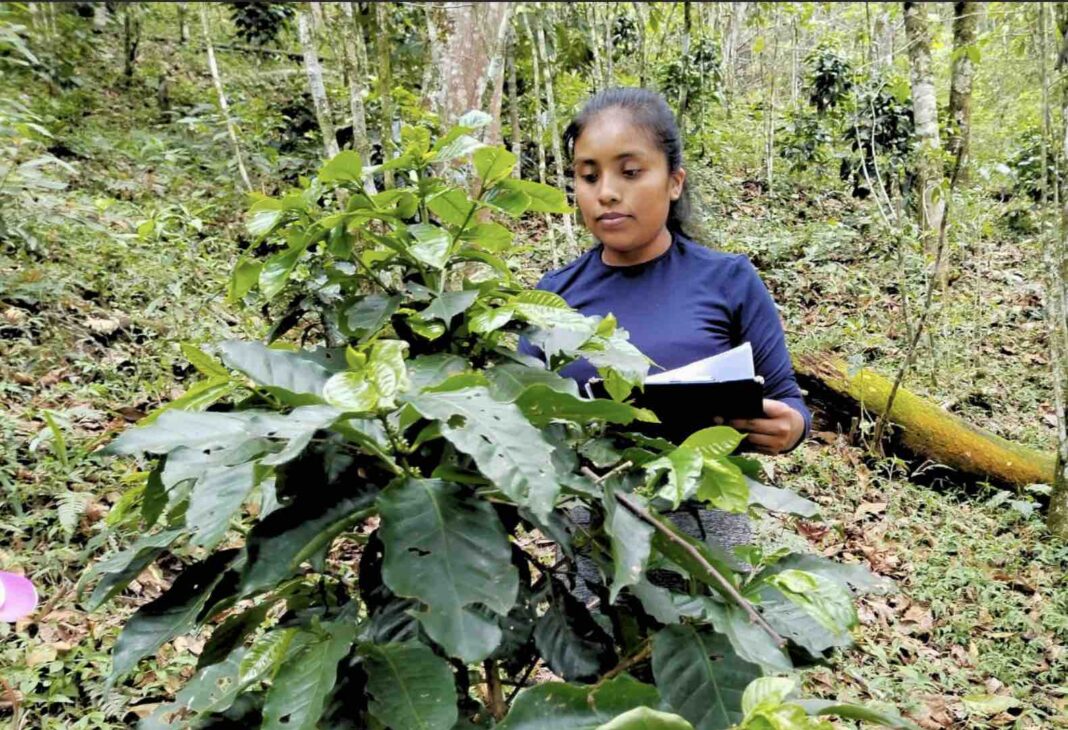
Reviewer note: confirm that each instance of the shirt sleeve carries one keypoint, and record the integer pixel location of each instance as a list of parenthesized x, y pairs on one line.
[(757, 321)]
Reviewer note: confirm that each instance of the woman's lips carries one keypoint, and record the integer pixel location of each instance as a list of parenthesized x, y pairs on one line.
[(613, 220)]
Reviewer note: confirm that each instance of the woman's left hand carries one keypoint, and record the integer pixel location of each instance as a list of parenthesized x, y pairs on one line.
[(779, 430)]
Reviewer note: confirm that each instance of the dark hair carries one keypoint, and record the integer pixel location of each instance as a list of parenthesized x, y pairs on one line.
[(649, 111)]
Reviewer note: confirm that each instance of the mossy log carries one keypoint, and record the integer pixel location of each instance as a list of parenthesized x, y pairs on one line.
[(927, 430)]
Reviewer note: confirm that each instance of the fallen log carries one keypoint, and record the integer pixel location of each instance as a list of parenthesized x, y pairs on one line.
[(927, 430)]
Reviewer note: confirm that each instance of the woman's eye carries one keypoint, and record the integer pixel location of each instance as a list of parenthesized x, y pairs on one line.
[(590, 178), (632, 173)]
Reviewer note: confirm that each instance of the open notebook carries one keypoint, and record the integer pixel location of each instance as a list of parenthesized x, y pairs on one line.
[(687, 398)]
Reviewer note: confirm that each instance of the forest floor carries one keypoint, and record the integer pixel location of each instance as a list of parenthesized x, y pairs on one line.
[(134, 258)]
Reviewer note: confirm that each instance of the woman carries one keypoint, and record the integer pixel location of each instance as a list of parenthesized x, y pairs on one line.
[(679, 301)]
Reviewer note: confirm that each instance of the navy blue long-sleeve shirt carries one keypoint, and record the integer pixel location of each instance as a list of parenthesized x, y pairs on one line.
[(687, 304)]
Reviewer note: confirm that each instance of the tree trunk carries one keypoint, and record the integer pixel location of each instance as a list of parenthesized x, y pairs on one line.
[(929, 172), (513, 106), (685, 55), (494, 79), (131, 22), (926, 430), (183, 25), (100, 17), (221, 94), (539, 131), (351, 39), (639, 12), (315, 83), (609, 46), (558, 153), (385, 88), (467, 39), (965, 20), (732, 39), (1057, 309), (592, 25)]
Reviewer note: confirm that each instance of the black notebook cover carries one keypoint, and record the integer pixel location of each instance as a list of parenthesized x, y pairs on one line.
[(687, 407)]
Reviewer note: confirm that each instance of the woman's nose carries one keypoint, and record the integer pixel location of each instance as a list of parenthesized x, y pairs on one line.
[(607, 194)]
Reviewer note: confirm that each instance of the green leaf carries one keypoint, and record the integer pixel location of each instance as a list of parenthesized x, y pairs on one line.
[(986, 705), (428, 370), (507, 449), (700, 677), (768, 691), (211, 689), (374, 386), (508, 381), (449, 550), (297, 696), (822, 598), (431, 244), (714, 442), (512, 202), (543, 198), (171, 614), (299, 532), (749, 640), (460, 145), (263, 217), (570, 641), (489, 319), (886, 718), (204, 363), (631, 543), (683, 467), (230, 635), (781, 500), (410, 687), (245, 275), (560, 706), (449, 304), (268, 652), (492, 237), (642, 718), (854, 576), (181, 428), (197, 398), (723, 485), (292, 377), (542, 404), (345, 166), (122, 567), (493, 164), (276, 270), (452, 207), (369, 315), (215, 498)]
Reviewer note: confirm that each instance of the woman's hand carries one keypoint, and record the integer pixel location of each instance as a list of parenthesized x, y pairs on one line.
[(779, 430)]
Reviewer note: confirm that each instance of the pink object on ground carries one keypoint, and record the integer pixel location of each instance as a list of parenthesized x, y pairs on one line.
[(18, 597)]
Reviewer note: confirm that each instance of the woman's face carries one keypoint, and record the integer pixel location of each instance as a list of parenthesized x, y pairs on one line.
[(623, 187)]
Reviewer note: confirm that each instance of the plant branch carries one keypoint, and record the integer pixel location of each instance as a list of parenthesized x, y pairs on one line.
[(728, 588), (494, 692)]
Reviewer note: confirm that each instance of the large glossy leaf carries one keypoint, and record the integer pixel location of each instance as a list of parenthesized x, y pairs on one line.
[(631, 542), (411, 688), (834, 708), (700, 677), (367, 316), (199, 396), (541, 404), (274, 274), (431, 244), (212, 689), (263, 217), (559, 706), (215, 498), (429, 370), (297, 696), (507, 449), (449, 304), (121, 568), (854, 576), (509, 380), (723, 485), (452, 207), (512, 202), (714, 442), (171, 614), (643, 718), (683, 468), (230, 635), (543, 198), (289, 536), (492, 237), (284, 373), (569, 640), (175, 429), (822, 598), (493, 164), (793, 622), (448, 549), (780, 500), (750, 641), (345, 166)]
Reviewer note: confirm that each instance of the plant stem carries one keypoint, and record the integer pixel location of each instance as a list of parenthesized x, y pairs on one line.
[(494, 692), (728, 588)]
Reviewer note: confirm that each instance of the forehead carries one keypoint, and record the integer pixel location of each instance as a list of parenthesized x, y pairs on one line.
[(611, 134)]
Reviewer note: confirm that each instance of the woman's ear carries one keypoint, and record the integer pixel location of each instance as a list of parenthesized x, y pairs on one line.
[(675, 182)]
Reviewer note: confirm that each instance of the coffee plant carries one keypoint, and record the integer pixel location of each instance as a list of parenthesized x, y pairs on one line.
[(379, 528), (259, 22)]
